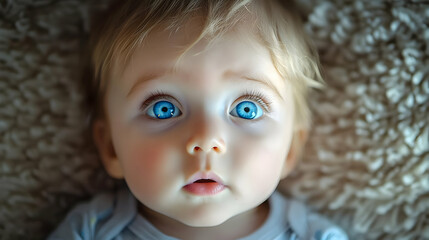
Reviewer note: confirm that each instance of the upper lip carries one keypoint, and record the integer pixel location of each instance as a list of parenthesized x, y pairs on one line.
[(204, 176)]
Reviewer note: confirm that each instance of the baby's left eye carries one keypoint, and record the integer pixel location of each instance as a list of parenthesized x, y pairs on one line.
[(247, 110)]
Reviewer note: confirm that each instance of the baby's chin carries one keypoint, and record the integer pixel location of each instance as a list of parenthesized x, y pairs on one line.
[(204, 221)]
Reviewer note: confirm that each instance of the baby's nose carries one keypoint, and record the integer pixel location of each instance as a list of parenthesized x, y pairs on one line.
[(205, 144)]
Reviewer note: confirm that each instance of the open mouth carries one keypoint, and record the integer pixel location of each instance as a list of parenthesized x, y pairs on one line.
[(204, 181), (204, 184)]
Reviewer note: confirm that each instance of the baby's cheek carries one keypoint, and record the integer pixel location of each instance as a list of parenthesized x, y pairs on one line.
[(265, 164), (259, 161), (147, 169)]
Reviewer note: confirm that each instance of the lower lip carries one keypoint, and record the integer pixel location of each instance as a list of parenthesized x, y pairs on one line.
[(204, 189)]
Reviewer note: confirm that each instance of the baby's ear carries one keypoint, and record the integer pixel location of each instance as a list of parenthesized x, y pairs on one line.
[(298, 141), (103, 140)]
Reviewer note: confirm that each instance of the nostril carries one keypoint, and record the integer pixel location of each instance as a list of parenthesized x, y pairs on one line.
[(196, 149)]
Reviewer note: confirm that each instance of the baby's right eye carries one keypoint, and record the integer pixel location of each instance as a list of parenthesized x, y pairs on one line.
[(163, 110)]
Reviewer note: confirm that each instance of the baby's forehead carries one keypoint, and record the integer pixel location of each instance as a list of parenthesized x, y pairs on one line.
[(186, 39), (236, 54), (197, 24)]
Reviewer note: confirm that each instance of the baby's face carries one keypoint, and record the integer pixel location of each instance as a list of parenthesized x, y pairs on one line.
[(222, 115)]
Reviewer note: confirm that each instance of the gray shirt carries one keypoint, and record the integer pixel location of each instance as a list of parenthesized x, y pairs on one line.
[(115, 216)]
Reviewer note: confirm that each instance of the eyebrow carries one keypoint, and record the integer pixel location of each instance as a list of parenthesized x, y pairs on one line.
[(260, 78), (266, 82), (141, 80)]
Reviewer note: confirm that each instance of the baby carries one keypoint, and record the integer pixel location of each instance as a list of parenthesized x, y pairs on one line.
[(201, 109)]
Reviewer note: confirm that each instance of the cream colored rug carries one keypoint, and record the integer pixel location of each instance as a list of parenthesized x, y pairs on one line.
[(367, 162)]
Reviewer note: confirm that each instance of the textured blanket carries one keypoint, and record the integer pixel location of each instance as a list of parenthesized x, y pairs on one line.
[(366, 164)]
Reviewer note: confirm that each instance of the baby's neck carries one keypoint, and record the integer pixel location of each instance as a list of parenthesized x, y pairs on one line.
[(237, 227)]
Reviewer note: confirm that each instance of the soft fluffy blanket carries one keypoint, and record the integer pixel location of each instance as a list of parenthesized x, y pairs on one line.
[(367, 160)]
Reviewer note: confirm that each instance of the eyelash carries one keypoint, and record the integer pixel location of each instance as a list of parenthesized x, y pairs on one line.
[(154, 96), (249, 95), (259, 98)]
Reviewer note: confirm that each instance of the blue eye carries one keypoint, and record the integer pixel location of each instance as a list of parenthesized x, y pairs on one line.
[(247, 110), (163, 110)]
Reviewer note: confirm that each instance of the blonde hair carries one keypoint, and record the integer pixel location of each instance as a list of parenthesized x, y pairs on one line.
[(124, 27)]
